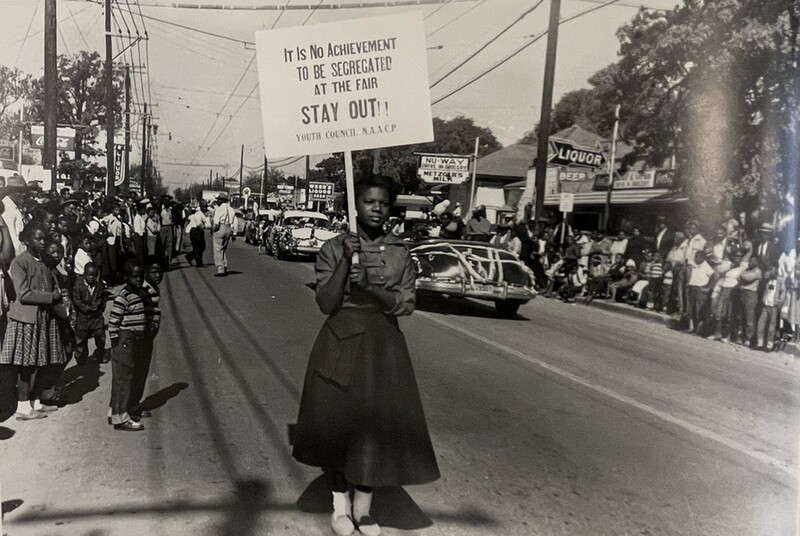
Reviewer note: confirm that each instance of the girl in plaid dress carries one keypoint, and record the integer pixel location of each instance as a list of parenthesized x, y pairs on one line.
[(32, 341)]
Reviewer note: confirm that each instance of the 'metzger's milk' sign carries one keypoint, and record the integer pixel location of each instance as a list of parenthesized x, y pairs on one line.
[(443, 168), (564, 153)]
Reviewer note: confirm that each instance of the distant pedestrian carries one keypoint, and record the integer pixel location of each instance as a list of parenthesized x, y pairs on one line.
[(153, 232), (167, 231), (196, 227), (89, 300), (361, 417), (772, 298), (749, 282), (126, 326), (222, 220)]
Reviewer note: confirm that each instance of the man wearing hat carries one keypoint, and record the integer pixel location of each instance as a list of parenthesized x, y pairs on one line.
[(222, 221), (196, 227), (664, 237), (13, 204), (167, 229), (767, 249)]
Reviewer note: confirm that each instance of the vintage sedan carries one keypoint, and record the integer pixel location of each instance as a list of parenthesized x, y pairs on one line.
[(464, 269), (300, 232)]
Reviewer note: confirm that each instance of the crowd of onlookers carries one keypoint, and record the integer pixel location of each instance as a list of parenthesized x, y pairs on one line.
[(731, 282), (60, 255)]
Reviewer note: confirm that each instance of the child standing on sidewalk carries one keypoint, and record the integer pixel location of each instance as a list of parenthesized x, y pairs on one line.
[(152, 318), (32, 340), (89, 299), (126, 331), (771, 302)]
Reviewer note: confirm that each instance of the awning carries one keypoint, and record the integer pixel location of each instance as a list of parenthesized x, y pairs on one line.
[(623, 197), (518, 185)]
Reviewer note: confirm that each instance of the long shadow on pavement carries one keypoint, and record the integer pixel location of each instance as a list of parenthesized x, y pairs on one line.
[(77, 381), (158, 399)]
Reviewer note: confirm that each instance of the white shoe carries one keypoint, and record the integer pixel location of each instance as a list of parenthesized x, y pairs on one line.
[(341, 523)]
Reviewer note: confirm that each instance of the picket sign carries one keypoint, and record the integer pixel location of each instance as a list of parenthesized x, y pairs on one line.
[(324, 90)]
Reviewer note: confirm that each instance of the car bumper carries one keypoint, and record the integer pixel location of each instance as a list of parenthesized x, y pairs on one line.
[(307, 250), (479, 291)]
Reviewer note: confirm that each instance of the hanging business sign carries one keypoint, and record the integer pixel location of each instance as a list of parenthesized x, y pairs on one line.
[(320, 191), (443, 169), (119, 164), (632, 180), (65, 138), (566, 153), (7, 150), (346, 85), (285, 189)]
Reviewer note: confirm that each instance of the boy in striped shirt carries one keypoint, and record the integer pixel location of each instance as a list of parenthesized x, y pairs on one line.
[(152, 320), (126, 329)]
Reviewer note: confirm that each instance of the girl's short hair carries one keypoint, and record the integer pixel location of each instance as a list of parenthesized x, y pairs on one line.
[(377, 181)]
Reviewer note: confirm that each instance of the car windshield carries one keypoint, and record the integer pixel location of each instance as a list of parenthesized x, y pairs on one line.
[(304, 221)]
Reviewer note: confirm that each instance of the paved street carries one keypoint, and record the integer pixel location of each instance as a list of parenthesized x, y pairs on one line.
[(568, 420)]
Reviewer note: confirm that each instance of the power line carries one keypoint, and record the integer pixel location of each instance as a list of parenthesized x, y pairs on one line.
[(303, 7), (486, 45), (519, 50), (27, 33), (435, 11), (454, 19), (77, 26)]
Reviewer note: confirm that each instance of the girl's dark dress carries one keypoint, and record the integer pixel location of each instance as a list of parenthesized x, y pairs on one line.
[(360, 413)]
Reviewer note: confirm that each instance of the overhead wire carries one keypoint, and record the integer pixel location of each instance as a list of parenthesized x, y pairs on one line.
[(78, 27), (454, 19), (435, 11), (27, 33), (488, 43), (519, 50)]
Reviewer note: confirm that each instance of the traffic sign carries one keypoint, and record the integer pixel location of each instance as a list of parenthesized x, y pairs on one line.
[(566, 202), (565, 153)]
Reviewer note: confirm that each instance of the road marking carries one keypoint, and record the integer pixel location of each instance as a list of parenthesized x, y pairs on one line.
[(686, 425)]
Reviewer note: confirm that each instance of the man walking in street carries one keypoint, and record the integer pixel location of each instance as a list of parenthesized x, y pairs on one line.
[(222, 221), (166, 231), (198, 223)]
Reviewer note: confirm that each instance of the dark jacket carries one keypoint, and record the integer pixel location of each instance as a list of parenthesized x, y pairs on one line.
[(667, 241), (33, 285)]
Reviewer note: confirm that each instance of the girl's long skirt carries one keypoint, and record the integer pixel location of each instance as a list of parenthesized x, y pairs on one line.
[(33, 345), (360, 412)]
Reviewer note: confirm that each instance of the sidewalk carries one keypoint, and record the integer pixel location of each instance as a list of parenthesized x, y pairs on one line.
[(792, 349)]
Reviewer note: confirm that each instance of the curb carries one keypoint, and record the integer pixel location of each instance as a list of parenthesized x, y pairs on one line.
[(792, 349)]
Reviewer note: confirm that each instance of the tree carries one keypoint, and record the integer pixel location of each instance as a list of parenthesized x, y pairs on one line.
[(14, 86), (82, 99)]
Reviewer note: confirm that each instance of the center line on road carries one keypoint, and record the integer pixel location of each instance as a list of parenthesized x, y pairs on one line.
[(619, 397)]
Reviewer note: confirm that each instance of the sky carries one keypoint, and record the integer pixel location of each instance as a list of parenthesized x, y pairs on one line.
[(191, 75)]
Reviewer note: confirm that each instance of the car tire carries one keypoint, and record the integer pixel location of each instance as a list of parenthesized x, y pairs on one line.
[(507, 308)]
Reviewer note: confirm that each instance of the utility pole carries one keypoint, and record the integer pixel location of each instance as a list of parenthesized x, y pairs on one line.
[(210, 179), (126, 172), (109, 68), (263, 180), (241, 165), (611, 165), (21, 133), (50, 153), (547, 103), (143, 173)]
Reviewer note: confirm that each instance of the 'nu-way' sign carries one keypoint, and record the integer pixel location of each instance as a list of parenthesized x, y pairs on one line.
[(564, 153)]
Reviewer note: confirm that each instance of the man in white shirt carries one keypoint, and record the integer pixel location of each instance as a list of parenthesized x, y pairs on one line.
[(196, 227), (222, 221), (166, 230), (113, 241), (14, 218), (140, 229)]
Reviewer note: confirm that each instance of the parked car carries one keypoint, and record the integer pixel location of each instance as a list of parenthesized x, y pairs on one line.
[(299, 232), (465, 269)]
